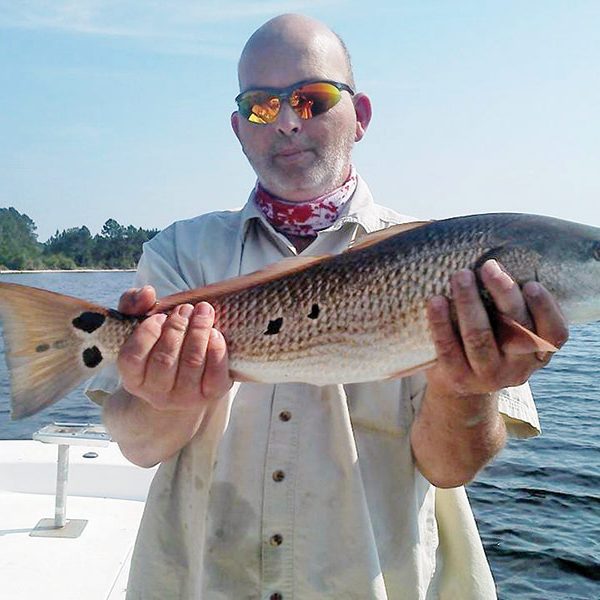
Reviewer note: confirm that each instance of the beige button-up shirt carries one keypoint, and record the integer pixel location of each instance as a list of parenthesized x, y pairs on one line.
[(293, 491)]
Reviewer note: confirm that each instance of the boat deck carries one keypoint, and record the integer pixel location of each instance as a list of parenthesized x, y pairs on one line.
[(107, 491)]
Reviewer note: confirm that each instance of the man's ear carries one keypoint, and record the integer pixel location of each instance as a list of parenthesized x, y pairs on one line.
[(235, 123), (362, 107)]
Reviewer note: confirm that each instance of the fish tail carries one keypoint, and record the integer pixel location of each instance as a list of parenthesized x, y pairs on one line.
[(46, 349)]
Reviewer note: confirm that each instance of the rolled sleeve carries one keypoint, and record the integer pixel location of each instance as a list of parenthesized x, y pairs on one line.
[(518, 409)]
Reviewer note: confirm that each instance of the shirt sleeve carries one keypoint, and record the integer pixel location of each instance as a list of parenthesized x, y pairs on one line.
[(517, 407), (515, 404)]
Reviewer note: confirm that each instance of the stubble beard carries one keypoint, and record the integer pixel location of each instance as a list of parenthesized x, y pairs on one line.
[(327, 170)]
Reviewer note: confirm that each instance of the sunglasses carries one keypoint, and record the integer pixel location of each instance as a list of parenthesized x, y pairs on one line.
[(308, 99)]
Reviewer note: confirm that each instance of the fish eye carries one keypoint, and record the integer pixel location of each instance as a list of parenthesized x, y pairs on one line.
[(596, 250)]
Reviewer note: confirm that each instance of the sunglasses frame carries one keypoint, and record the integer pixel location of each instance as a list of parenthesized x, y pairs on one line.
[(284, 95)]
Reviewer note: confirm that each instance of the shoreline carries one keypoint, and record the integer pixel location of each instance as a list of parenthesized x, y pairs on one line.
[(27, 271)]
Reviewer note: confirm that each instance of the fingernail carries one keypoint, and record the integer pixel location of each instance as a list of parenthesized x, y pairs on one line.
[(140, 291), (494, 271), (492, 267), (532, 289), (186, 310), (438, 304), (202, 309), (464, 278)]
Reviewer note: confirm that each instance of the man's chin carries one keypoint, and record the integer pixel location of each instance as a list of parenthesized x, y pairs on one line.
[(297, 190)]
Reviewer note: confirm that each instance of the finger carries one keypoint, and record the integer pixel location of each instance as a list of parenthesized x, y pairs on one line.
[(161, 366), (135, 351), (506, 294), (193, 351), (448, 347), (550, 323), (216, 381), (137, 301), (476, 332)]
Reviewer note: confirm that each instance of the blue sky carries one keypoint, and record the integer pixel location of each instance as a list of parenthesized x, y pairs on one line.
[(120, 109)]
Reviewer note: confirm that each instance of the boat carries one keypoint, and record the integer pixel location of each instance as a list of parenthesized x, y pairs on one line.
[(70, 508)]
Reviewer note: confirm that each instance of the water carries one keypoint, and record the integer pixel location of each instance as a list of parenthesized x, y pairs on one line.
[(537, 504)]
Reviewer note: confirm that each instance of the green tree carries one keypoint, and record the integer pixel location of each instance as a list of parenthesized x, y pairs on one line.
[(75, 243), (18, 239), (116, 247)]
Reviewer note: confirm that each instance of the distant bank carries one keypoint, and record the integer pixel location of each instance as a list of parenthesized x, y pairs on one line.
[(9, 272)]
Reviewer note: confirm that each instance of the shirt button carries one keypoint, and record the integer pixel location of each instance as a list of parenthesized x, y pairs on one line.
[(278, 475), (276, 596), (276, 540), (285, 415)]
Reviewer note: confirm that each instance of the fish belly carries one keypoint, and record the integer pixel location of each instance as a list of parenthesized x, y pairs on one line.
[(355, 361)]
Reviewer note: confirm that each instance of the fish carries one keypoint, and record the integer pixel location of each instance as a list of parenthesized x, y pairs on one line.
[(351, 317)]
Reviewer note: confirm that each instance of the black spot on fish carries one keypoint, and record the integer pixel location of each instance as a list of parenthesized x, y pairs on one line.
[(89, 321), (60, 344), (42, 348), (314, 311), (274, 326), (92, 357)]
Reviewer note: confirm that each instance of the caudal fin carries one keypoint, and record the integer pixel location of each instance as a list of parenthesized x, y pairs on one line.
[(43, 345)]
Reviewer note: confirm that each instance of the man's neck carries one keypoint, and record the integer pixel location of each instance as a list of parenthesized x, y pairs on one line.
[(300, 242)]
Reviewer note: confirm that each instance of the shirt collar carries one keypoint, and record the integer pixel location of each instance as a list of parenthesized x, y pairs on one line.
[(358, 210)]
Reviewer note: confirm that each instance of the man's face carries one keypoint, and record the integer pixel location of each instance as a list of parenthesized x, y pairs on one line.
[(294, 158)]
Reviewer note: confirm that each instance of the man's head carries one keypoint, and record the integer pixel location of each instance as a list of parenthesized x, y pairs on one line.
[(296, 158)]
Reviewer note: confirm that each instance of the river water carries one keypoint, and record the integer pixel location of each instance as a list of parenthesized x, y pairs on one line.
[(537, 504)]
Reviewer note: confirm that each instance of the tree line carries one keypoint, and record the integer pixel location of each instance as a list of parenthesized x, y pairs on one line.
[(115, 247)]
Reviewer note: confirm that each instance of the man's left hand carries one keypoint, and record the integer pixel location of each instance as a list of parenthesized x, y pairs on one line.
[(458, 428), (470, 358)]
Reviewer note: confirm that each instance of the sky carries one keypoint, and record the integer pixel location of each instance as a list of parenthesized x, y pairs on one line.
[(120, 109)]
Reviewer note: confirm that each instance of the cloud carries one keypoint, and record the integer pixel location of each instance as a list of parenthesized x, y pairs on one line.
[(168, 27), (137, 19)]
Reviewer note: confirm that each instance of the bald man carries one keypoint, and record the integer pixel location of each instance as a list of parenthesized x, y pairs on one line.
[(292, 490)]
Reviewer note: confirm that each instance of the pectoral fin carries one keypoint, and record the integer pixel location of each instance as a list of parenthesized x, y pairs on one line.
[(514, 338)]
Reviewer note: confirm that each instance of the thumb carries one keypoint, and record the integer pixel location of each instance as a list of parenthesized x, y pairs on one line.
[(137, 301)]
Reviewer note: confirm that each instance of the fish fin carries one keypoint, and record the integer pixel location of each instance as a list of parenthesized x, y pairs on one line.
[(514, 338), (287, 266), (383, 234), (412, 370), (43, 347), (237, 376)]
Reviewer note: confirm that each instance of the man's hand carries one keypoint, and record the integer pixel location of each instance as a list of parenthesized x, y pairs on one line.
[(174, 362), (472, 360), (458, 428), (173, 371)]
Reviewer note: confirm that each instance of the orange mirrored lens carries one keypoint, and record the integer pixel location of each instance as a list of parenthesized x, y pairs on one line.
[(260, 107), (307, 101), (314, 99)]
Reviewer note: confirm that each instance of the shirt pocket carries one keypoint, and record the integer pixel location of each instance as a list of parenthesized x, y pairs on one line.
[(385, 406)]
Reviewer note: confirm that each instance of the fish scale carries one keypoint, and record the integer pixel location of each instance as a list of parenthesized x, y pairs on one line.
[(353, 317)]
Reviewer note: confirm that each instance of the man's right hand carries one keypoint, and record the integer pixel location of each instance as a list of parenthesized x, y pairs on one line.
[(176, 362)]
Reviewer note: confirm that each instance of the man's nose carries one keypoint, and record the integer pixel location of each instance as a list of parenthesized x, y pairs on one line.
[(288, 121)]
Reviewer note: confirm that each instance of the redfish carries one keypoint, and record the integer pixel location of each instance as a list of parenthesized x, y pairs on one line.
[(353, 317)]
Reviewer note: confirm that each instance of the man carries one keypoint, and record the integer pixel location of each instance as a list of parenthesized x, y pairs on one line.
[(298, 491)]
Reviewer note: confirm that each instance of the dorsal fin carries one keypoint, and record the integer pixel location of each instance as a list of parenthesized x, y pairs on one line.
[(287, 266), (383, 234)]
